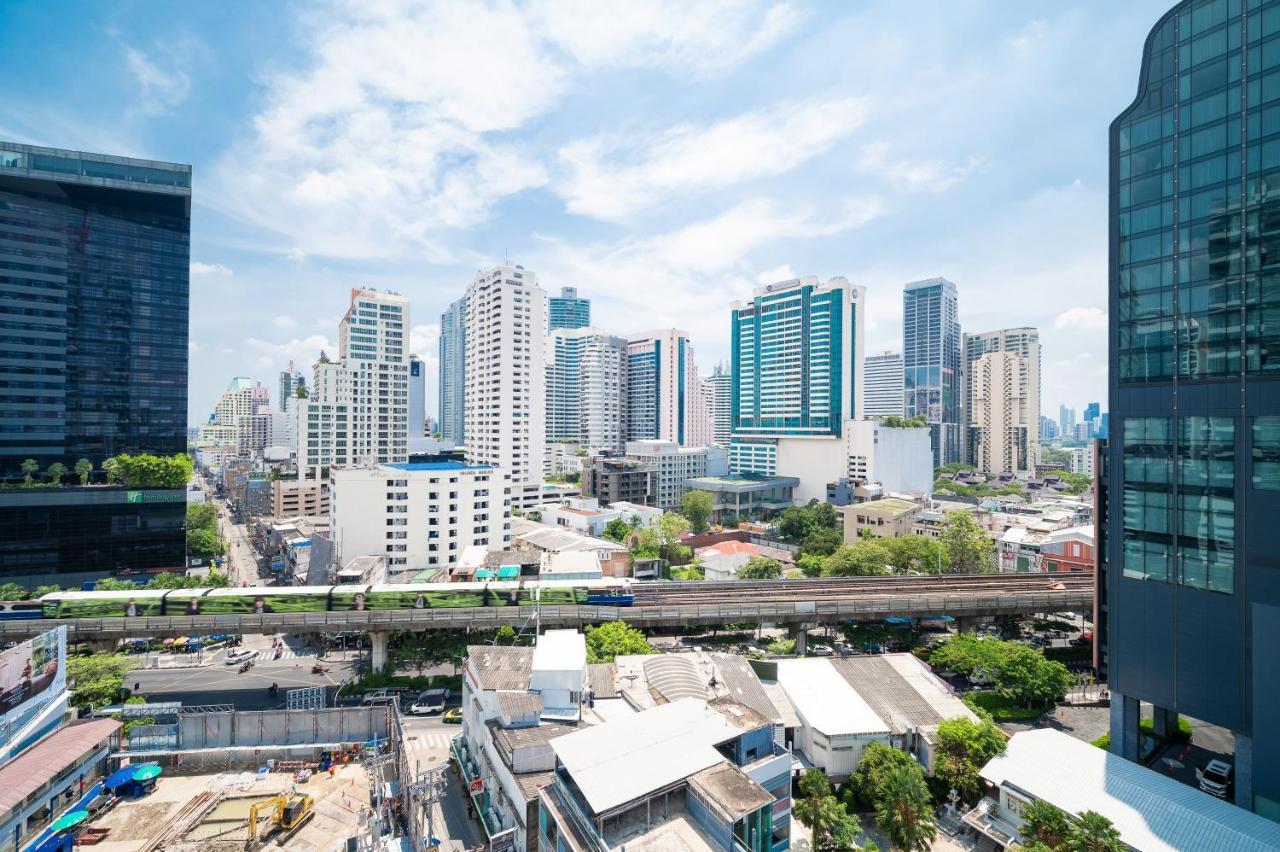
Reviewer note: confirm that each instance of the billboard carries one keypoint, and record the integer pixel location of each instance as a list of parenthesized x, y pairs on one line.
[(32, 674)]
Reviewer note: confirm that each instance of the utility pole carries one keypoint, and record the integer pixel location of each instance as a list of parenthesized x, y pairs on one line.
[(426, 791)]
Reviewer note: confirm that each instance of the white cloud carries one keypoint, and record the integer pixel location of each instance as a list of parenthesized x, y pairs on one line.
[(397, 127), (699, 38), (1084, 318), (284, 323), (424, 341), (269, 356), (927, 175), (778, 273), (198, 268), (612, 177), (162, 88)]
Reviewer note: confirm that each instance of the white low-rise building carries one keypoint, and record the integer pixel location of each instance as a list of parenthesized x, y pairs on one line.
[(836, 724), (418, 516)]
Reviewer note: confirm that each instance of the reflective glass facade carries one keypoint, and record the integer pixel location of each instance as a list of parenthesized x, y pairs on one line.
[(931, 362), (1191, 576), (94, 266), (567, 310)]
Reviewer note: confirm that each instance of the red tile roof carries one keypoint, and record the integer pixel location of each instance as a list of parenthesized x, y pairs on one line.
[(41, 763), (730, 547)]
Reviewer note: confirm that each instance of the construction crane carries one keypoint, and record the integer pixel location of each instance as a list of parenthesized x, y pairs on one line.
[(289, 813)]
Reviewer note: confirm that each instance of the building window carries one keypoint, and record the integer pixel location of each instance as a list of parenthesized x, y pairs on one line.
[(1148, 477), (1206, 518), (1266, 453)]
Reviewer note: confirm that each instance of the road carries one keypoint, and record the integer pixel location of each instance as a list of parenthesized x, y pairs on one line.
[(427, 743), (219, 683)]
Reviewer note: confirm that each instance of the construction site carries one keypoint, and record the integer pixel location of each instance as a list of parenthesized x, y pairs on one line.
[(234, 811)]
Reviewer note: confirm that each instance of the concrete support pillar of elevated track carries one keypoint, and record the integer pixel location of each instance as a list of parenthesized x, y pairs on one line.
[(378, 649), (102, 646), (967, 623), (800, 633)]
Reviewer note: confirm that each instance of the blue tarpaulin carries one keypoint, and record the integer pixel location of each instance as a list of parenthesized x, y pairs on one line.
[(120, 777)]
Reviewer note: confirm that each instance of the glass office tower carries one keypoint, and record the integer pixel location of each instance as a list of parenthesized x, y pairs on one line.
[(1189, 590), (931, 362), (567, 310), (93, 356), (453, 376)]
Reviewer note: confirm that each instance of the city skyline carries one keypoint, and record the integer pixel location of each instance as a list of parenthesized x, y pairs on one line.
[(571, 153)]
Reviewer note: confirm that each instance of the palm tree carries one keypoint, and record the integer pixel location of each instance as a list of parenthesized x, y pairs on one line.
[(904, 811), (29, 468), (84, 469), (1092, 832), (56, 471), (1044, 822)]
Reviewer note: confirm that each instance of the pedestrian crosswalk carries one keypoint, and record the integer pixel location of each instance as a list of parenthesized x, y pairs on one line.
[(427, 744)]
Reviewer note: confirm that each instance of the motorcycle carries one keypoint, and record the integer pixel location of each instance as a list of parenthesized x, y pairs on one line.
[(273, 690), (248, 664)]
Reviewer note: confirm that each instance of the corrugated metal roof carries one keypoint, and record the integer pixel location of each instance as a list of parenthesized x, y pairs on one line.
[(501, 667), (744, 686), (825, 701), (600, 677), (1152, 813), (41, 763), (675, 676), (517, 705)]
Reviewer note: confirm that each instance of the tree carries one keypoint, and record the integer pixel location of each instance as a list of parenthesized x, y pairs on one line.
[(963, 748), (810, 564), (84, 469), (98, 679), (670, 527), (833, 827), (616, 530), (969, 654), (821, 541), (111, 467), (614, 638), (55, 472), (861, 559), (29, 468), (47, 589), (697, 507), (781, 647), (877, 761), (905, 812), (506, 635), (760, 568), (968, 548), (12, 592), (1027, 677), (823, 515), (148, 471), (202, 515), (1043, 822), (1092, 832), (203, 543), (915, 554)]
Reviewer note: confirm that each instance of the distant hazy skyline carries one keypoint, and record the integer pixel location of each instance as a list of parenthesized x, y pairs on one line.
[(664, 158)]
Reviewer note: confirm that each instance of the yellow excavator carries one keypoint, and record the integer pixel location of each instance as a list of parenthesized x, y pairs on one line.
[(289, 813)]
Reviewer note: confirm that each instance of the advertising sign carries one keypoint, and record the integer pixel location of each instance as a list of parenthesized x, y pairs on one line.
[(32, 674)]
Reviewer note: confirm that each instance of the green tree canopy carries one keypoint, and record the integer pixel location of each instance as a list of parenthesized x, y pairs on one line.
[(915, 554), (148, 471), (29, 469), (84, 469), (1044, 823), (963, 748), (864, 558), (697, 507), (877, 761), (968, 548), (613, 638), (833, 828), (760, 568), (798, 522), (203, 543), (811, 564), (904, 811), (1093, 832), (821, 541), (12, 592), (1027, 677), (55, 472), (616, 530), (98, 679)]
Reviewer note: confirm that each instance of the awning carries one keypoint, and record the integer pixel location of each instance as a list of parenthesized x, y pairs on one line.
[(147, 771), (120, 777), (69, 820), (484, 574), (509, 572)]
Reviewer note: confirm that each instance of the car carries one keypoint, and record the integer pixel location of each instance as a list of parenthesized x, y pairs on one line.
[(379, 698), (429, 701), (823, 651), (844, 648), (240, 655), (1216, 778), (453, 717)]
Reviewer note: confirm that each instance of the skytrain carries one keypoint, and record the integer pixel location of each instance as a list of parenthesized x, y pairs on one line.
[(346, 598)]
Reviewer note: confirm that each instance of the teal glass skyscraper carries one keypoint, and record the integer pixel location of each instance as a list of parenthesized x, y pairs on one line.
[(931, 362), (1189, 585)]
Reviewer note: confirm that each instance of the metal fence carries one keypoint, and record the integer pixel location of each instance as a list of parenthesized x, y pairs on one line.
[(260, 729)]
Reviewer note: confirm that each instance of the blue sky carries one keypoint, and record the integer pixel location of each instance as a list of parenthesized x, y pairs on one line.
[(663, 157)]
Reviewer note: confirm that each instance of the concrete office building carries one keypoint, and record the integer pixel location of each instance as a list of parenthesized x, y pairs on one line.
[(241, 398), (505, 409), (358, 409), (1189, 595), (293, 498), (717, 392), (453, 375), (796, 380), (418, 516), (1066, 421), (94, 295), (1023, 341), (1000, 417), (931, 362), (897, 458), (1081, 461), (567, 310), (672, 466), (883, 396), (585, 388), (664, 395)]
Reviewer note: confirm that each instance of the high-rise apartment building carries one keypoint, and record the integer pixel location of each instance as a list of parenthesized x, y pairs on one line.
[(567, 310), (585, 388), (357, 413), (1066, 421), (931, 362), (505, 408), (717, 393), (1019, 341), (664, 394), (94, 295), (290, 382), (883, 396), (1000, 421), (797, 378), (453, 376), (417, 397), (246, 406), (1189, 592)]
